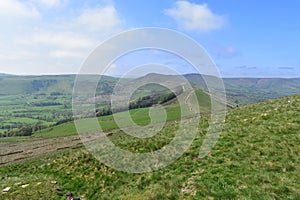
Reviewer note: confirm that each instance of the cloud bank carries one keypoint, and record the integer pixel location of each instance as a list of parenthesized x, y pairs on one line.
[(195, 17), (41, 41)]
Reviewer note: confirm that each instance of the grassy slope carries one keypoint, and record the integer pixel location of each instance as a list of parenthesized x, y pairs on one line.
[(18, 94), (251, 90), (257, 157), (244, 91), (15, 85), (21, 96), (139, 116)]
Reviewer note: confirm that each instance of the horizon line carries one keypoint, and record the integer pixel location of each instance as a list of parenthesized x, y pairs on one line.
[(119, 76)]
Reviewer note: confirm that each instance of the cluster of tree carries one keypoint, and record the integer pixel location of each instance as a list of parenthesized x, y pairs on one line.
[(62, 121), (142, 102), (45, 104), (52, 116), (167, 98), (24, 130), (158, 98), (13, 125), (56, 94), (103, 111)]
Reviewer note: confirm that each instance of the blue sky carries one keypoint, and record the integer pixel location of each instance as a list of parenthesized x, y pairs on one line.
[(248, 38)]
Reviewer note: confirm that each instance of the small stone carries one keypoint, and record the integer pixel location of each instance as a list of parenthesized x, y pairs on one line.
[(24, 186), (6, 189), (53, 182), (38, 183), (242, 187)]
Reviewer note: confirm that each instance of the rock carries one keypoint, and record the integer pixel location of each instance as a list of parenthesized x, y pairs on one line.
[(6, 189), (38, 183), (24, 186), (53, 182)]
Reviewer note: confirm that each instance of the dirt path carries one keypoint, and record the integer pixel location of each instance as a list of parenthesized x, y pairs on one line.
[(35, 147), (12, 152)]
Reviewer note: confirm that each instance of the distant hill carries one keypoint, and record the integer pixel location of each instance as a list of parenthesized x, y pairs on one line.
[(243, 91), (30, 103), (43, 101), (63, 84), (240, 91), (250, 90)]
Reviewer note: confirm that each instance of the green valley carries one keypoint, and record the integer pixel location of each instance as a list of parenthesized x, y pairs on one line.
[(32, 103), (257, 157)]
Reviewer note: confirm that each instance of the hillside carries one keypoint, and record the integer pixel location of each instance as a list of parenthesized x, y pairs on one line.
[(250, 90), (257, 157), (272, 87), (31, 103), (244, 91), (50, 137)]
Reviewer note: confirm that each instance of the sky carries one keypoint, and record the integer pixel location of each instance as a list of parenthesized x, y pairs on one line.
[(248, 38)]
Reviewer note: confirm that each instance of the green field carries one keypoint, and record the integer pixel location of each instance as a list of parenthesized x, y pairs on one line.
[(257, 157), (43, 101), (37, 101), (139, 116)]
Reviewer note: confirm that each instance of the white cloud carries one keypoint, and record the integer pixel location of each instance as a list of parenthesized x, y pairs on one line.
[(61, 40), (51, 42), (16, 56), (64, 46), (17, 9), (102, 19), (66, 54), (195, 17), (75, 37), (48, 3)]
